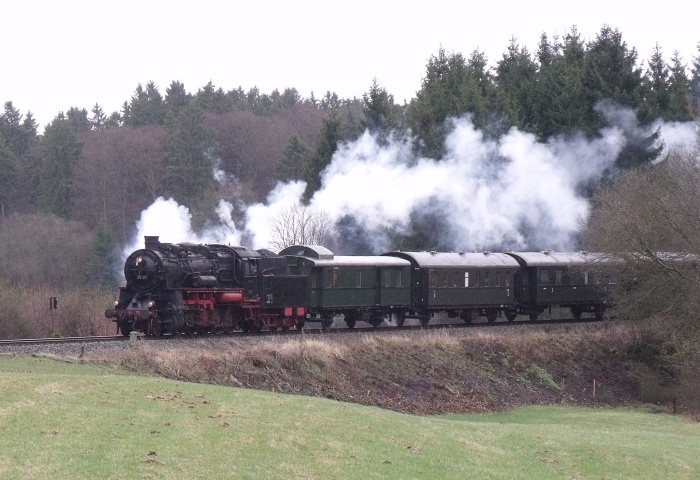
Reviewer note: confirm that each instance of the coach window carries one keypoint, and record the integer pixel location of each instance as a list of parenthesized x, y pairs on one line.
[(398, 278), (507, 275), (559, 277), (387, 278), (585, 278), (358, 279), (498, 279), (486, 279), (544, 276), (432, 278), (466, 279), (476, 279), (455, 279)]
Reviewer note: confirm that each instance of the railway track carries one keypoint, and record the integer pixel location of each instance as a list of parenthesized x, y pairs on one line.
[(306, 331)]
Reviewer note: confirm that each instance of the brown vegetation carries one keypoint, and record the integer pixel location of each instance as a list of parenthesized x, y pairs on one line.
[(440, 372), (25, 313)]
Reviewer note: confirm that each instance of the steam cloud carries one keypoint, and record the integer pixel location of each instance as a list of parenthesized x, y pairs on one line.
[(513, 192)]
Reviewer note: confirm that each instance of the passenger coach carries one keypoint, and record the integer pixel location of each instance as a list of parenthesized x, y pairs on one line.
[(557, 279), (368, 288), (462, 284)]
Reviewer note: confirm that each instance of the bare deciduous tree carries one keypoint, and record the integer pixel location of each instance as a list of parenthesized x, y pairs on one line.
[(301, 225), (650, 219)]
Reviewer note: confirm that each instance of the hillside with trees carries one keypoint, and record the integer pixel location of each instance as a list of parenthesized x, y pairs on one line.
[(76, 189)]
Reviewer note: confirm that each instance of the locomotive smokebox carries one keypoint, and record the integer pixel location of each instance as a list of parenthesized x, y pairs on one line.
[(151, 241)]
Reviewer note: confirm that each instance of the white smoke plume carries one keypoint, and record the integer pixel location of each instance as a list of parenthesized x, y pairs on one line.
[(172, 222), (513, 192)]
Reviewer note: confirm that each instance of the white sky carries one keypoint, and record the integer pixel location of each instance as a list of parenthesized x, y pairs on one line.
[(58, 54)]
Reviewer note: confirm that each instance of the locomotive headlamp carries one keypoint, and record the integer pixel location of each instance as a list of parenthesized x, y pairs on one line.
[(139, 260), (151, 304), (116, 303)]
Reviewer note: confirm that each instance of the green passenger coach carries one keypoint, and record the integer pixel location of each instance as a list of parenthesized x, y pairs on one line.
[(368, 288), (462, 284)]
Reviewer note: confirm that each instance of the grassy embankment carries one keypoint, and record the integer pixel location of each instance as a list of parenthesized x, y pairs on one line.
[(62, 420)]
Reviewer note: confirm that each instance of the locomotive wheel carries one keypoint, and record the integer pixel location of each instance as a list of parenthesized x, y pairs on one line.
[(155, 328), (491, 315), (126, 331)]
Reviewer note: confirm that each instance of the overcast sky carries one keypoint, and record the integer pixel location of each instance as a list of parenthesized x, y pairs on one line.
[(58, 54)]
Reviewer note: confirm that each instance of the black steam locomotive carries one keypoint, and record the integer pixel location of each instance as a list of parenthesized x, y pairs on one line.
[(190, 288), (207, 288)]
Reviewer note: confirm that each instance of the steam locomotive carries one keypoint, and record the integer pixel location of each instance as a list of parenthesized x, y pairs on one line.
[(193, 288)]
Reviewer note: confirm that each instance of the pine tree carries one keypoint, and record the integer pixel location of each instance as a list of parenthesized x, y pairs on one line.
[(380, 112), (78, 117), (99, 119), (60, 149), (189, 150), (695, 86), (655, 84), (8, 176), (146, 107), (291, 165), (176, 97), (680, 105), (610, 73), (327, 144), (515, 81), (559, 102)]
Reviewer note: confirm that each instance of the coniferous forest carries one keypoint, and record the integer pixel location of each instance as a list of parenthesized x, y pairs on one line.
[(71, 194)]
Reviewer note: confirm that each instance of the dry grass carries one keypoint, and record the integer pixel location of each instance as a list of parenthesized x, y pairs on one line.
[(435, 372), (25, 313)]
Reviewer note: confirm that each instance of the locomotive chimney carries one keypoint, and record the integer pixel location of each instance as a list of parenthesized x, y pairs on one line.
[(151, 241)]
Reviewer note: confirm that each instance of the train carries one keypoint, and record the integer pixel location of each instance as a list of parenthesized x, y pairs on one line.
[(182, 288)]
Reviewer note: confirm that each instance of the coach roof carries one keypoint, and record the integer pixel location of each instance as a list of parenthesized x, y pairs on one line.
[(548, 258), (457, 259)]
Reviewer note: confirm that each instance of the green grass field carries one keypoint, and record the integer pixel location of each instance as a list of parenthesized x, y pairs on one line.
[(73, 421)]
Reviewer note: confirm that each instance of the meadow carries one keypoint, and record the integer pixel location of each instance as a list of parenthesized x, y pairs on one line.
[(64, 419)]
